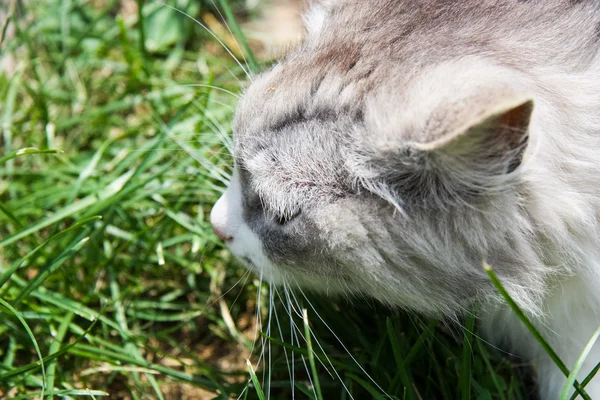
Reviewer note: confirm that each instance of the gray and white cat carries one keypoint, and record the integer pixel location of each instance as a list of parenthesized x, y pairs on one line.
[(405, 142)]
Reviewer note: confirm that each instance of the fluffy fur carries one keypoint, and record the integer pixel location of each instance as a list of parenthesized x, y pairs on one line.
[(407, 141)]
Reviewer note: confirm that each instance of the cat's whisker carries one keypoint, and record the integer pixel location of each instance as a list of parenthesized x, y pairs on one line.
[(269, 365), (214, 136), (309, 376), (171, 149), (285, 353), (292, 325), (432, 334), (203, 137), (258, 320), (244, 277), (316, 339), (296, 341), (456, 322), (342, 344), (217, 129), (224, 21), (237, 96), (237, 80), (301, 333), (223, 164), (424, 327), (246, 72), (240, 292), (244, 390), (219, 152), (289, 309), (214, 172), (215, 101), (265, 345)]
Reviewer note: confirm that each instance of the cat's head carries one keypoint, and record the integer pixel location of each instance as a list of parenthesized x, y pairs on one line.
[(367, 165)]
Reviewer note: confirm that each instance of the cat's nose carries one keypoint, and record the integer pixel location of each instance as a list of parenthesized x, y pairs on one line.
[(221, 235), (220, 220)]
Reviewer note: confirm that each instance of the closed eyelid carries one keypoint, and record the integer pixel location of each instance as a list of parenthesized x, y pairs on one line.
[(280, 214), (286, 217)]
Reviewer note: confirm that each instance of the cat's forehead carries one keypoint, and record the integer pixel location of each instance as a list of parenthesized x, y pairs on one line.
[(323, 84), (294, 122), (300, 162)]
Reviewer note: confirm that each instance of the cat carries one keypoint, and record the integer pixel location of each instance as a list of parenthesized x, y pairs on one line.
[(405, 143)]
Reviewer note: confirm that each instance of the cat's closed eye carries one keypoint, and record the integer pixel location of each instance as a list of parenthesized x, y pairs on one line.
[(285, 217)]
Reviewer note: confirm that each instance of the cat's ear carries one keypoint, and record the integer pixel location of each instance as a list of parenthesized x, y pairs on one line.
[(476, 148), (500, 127), (479, 154)]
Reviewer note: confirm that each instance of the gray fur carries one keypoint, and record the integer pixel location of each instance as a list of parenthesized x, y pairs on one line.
[(405, 142)]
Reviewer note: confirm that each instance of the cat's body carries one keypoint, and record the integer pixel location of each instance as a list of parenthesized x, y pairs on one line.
[(405, 142)]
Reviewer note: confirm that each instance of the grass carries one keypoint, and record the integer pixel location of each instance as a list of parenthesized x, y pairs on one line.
[(115, 127)]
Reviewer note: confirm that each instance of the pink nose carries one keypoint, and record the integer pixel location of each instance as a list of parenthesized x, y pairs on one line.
[(224, 237)]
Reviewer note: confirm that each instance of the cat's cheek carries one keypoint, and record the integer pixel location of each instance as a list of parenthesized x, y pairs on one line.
[(228, 224), (247, 247)]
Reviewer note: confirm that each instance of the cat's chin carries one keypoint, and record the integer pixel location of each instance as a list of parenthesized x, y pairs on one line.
[(246, 246), (265, 272)]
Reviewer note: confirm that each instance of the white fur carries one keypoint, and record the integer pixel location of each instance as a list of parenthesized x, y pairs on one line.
[(226, 216), (314, 19)]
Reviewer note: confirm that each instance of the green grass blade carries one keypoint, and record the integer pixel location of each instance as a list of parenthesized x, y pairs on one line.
[(534, 331), (39, 364), (8, 273), (71, 249), (55, 347), (120, 317), (239, 35), (305, 352), (588, 379), (9, 16), (400, 362), (10, 215), (142, 33), (311, 355), (305, 390), (578, 365), (465, 371), (114, 357), (7, 308), (490, 370), (65, 393), (255, 382), (28, 151), (111, 190), (367, 386), (426, 334)]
